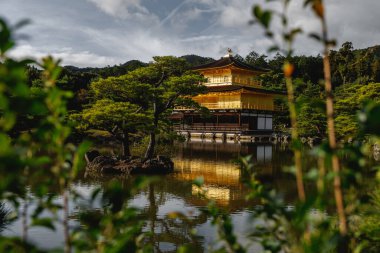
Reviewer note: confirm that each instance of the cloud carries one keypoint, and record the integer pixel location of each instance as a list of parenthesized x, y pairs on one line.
[(202, 38), (173, 12), (235, 13), (125, 9), (67, 55), (102, 32)]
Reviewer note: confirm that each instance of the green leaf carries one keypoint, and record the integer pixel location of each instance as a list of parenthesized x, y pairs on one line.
[(198, 181), (78, 162), (284, 20), (266, 18), (44, 222), (370, 119), (185, 249), (21, 23), (269, 34), (315, 36), (312, 174), (294, 32), (331, 43), (307, 2), (257, 12), (274, 48)]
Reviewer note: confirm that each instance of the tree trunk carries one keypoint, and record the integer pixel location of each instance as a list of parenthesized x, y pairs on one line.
[(338, 192), (295, 138), (152, 212), (25, 219), (152, 140), (125, 145), (152, 137), (66, 231), (332, 143), (152, 144)]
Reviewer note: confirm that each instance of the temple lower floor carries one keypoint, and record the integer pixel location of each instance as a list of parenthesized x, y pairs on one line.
[(237, 121)]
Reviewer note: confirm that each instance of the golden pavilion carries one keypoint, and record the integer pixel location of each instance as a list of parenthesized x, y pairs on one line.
[(235, 97)]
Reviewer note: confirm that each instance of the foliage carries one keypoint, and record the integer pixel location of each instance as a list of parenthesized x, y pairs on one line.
[(306, 227), (115, 227), (368, 229), (142, 100), (30, 153), (118, 118), (350, 67), (223, 222), (350, 99), (296, 230), (170, 84), (38, 164), (106, 114), (311, 115)]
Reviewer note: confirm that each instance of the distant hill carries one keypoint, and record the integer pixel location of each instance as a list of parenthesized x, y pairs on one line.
[(348, 65), (116, 70), (195, 60), (122, 69), (374, 51), (75, 78)]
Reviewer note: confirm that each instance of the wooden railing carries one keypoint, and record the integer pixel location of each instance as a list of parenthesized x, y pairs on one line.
[(212, 127), (250, 83), (237, 105), (217, 83), (223, 128)]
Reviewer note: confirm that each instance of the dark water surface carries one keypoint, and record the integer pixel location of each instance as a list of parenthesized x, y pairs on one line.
[(175, 193)]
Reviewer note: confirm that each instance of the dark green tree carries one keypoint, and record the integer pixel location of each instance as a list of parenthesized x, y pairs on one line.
[(118, 118), (254, 59), (171, 84), (119, 106), (311, 116), (140, 100), (350, 98), (344, 58)]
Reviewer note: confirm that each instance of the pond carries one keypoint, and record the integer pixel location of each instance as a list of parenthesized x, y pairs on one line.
[(212, 161)]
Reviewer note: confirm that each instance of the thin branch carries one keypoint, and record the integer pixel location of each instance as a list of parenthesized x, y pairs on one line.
[(295, 137), (161, 80), (331, 133)]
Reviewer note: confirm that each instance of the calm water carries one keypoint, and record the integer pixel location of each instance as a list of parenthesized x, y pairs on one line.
[(174, 192)]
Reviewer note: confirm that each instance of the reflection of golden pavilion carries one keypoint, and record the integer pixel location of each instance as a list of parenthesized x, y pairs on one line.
[(212, 162), (215, 172), (212, 192), (221, 178), (237, 100)]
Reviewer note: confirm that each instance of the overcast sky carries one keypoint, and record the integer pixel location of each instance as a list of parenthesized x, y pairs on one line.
[(108, 32)]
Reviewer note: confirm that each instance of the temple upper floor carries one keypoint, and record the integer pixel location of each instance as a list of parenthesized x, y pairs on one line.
[(230, 77), (230, 71)]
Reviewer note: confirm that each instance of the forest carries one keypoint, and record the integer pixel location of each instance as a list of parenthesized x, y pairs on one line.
[(355, 79)]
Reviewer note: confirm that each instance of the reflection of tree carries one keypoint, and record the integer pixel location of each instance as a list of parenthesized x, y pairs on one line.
[(222, 179), (173, 231), (4, 219)]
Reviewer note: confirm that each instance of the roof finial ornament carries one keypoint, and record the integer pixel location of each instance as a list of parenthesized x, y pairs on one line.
[(229, 53)]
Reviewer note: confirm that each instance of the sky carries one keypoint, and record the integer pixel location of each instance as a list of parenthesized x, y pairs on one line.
[(98, 33)]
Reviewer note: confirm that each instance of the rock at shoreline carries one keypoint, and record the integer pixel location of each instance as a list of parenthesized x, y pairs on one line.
[(130, 165)]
